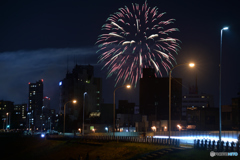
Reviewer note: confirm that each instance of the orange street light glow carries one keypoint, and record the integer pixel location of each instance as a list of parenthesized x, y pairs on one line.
[(191, 64)]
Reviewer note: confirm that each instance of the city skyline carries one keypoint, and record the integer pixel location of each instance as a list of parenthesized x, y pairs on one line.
[(41, 40)]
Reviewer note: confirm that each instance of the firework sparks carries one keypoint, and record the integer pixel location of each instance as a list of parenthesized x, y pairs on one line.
[(136, 38)]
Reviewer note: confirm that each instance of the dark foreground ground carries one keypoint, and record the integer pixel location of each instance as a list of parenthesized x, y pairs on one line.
[(36, 148)]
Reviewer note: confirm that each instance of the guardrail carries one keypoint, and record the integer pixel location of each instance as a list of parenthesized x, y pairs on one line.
[(217, 145), (162, 141)]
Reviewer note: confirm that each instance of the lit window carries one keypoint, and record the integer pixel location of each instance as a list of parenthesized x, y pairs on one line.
[(203, 106), (30, 94), (202, 96), (184, 96), (34, 92)]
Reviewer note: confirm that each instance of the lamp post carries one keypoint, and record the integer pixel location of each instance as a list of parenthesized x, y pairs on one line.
[(7, 121), (49, 119), (74, 101), (83, 112), (170, 94), (42, 118), (127, 86), (29, 121), (220, 107)]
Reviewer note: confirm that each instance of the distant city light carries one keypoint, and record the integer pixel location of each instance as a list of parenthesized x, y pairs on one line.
[(153, 128), (60, 83), (42, 135)]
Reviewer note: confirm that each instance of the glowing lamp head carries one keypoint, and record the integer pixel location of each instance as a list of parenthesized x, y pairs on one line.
[(128, 86), (74, 101), (42, 135), (191, 64), (225, 28)]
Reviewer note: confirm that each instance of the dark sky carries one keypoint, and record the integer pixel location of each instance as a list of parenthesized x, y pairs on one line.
[(36, 37)]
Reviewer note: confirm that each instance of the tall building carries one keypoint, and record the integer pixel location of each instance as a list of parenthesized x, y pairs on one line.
[(203, 119), (35, 103), (154, 96), (193, 100), (19, 116), (124, 107), (73, 86), (6, 110)]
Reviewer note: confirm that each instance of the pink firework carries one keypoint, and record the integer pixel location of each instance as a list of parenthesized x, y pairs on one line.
[(136, 38)]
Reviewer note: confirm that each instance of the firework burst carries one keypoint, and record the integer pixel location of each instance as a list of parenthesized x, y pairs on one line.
[(136, 38)]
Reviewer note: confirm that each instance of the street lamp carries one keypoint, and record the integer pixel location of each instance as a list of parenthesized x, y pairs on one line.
[(83, 112), (42, 118), (170, 72), (220, 108), (7, 121), (127, 86), (29, 121), (73, 101), (49, 119)]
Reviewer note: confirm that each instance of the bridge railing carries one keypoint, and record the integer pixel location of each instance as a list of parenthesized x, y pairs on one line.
[(217, 145)]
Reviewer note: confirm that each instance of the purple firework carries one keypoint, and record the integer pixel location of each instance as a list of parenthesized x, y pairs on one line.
[(136, 38)]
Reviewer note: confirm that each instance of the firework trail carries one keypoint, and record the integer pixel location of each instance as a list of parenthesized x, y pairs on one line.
[(136, 38)]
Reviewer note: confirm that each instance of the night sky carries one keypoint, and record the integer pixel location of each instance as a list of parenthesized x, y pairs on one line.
[(37, 38)]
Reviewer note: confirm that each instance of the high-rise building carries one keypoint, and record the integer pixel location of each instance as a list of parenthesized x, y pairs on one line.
[(74, 85), (193, 100), (19, 116), (35, 103), (154, 96), (6, 110), (124, 107)]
